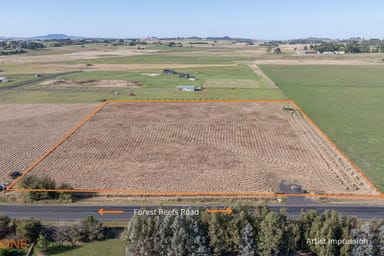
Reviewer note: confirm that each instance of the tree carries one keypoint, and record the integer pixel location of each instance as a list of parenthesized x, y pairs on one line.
[(73, 234), (140, 235), (133, 235), (247, 243), (278, 50), (189, 237), (91, 229), (47, 235), (198, 241), (271, 234), (364, 233), (28, 229), (5, 223), (35, 182), (305, 221), (380, 242), (353, 47), (60, 235), (65, 196), (164, 236), (347, 224), (66, 234), (292, 236), (330, 229), (225, 231), (218, 232), (180, 237)]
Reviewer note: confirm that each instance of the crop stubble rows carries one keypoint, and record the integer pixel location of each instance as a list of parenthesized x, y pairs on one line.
[(208, 147), (28, 130)]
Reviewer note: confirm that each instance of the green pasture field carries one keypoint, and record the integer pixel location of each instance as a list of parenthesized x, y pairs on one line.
[(163, 59), (158, 87), (103, 248), (346, 102), (13, 79), (170, 81)]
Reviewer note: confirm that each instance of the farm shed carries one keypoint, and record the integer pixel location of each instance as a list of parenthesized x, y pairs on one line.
[(184, 75), (186, 88), (169, 72), (3, 79)]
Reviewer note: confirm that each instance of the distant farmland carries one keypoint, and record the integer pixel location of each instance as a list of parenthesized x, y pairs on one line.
[(346, 102)]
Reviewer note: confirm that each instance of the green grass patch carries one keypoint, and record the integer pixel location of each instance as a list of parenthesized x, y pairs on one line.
[(346, 102), (171, 81), (14, 79), (155, 87), (163, 59), (161, 81), (115, 247)]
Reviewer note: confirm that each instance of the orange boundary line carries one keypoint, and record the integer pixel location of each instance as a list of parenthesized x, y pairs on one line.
[(186, 193), (192, 101), (50, 150), (195, 193)]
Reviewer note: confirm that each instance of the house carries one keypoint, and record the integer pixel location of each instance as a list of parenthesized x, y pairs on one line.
[(186, 88), (3, 80), (169, 72), (184, 75)]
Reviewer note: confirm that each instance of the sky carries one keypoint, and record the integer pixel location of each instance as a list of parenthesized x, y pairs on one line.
[(278, 19)]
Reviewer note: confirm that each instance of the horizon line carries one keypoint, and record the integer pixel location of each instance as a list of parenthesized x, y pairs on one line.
[(36, 37)]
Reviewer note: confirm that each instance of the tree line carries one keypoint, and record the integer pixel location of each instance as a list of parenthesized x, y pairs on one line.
[(350, 47), (46, 237), (45, 182), (254, 231)]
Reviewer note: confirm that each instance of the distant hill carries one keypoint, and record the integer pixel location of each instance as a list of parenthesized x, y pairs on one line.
[(55, 37), (43, 37)]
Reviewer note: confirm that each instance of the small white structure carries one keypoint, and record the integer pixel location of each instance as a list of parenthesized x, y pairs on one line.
[(186, 88), (305, 52), (3, 79)]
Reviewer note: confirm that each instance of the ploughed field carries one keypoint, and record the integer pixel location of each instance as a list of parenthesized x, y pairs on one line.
[(200, 147), (28, 130)]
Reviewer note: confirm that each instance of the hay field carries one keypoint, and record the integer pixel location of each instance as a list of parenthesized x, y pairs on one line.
[(27, 131), (205, 147)]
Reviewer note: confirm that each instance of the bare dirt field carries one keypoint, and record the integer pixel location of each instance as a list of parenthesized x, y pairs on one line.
[(94, 83), (28, 130), (69, 56), (204, 147), (62, 67)]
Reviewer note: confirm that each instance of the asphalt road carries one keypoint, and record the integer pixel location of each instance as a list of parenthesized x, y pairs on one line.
[(68, 212)]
